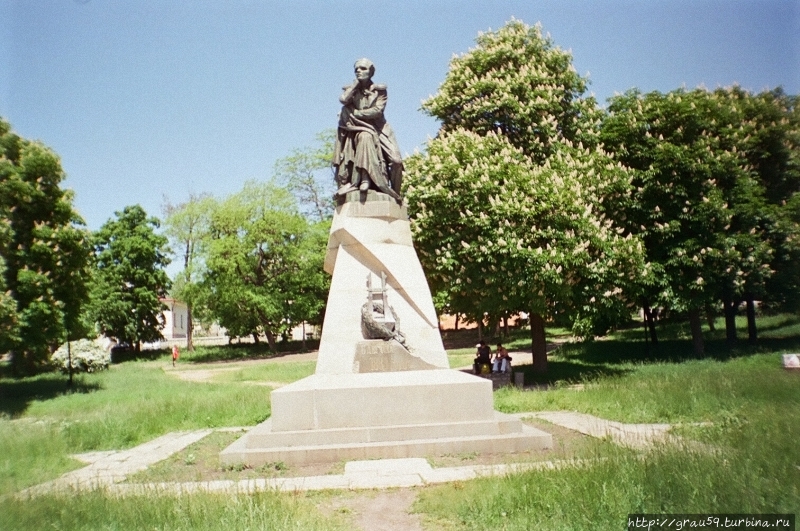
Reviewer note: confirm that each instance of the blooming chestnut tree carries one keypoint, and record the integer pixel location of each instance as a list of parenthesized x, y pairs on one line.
[(700, 202), (512, 203), (519, 84)]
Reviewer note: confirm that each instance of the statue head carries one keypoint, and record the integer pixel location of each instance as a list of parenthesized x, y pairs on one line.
[(365, 67)]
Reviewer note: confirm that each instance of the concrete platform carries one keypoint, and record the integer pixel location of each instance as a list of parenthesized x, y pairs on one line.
[(330, 401), (262, 446), (328, 418)]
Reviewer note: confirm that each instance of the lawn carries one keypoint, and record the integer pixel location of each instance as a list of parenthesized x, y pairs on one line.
[(42, 421), (746, 461), (738, 403)]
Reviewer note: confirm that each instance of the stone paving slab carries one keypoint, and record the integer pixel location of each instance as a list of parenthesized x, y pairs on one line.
[(108, 469), (113, 467), (93, 457), (631, 435), (385, 473)]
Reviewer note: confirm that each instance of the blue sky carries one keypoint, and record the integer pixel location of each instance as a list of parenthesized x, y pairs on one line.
[(147, 99)]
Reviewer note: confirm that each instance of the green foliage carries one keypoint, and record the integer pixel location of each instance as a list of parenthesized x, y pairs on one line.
[(517, 83), (308, 174), (86, 356), (130, 279), (9, 319), (495, 231), (712, 174), (187, 226), (771, 144), (264, 263), (512, 204), (44, 252)]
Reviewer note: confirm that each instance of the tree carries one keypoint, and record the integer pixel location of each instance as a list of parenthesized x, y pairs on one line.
[(308, 174), (768, 134), (517, 83), (497, 233), (510, 203), (129, 277), (700, 203), (264, 263), (187, 227), (44, 253)]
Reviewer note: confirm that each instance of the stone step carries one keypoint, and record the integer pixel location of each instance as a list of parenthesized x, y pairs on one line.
[(264, 436), (526, 439)]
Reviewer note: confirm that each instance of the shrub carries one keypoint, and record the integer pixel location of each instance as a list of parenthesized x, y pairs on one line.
[(86, 357)]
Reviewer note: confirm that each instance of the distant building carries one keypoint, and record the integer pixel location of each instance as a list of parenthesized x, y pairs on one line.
[(176, 318), (310, 331)]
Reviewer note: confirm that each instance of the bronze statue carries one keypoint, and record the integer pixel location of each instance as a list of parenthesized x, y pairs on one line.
[(366, 155)]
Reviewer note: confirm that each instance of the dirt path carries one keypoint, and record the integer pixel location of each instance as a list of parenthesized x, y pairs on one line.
[(373, 510), (207, 371), (384, 510)]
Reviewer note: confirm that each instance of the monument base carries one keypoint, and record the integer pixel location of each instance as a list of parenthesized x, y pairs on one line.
[(329, 418)]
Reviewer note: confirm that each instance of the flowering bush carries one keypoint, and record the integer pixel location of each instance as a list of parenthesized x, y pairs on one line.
[(86, 357)]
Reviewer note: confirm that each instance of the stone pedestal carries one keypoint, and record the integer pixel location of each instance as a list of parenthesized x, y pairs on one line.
[(328, 418), (371, 398), (372, 238)]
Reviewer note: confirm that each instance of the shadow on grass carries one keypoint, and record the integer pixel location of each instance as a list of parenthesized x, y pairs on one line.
[(677, 328), (616, 352), (568, 372), (584, 361), (245, 351), (16, 394), (124, 355)]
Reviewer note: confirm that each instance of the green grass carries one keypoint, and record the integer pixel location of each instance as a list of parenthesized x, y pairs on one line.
[(752, 471), (274, 372), (599, 495), (747, 461), (120, 408), (692, 391), (166, 512)]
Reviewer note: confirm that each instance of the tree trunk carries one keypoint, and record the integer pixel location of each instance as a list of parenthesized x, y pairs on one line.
[(69, 361), (456, 322), (730, 320), (695, 324), (256, 340), (538, 343), (138, 348), (505, 326), (651, 326), (710, 316), (304, 336), (270, 340), (480, 329), (752, 332), (189, 330)]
